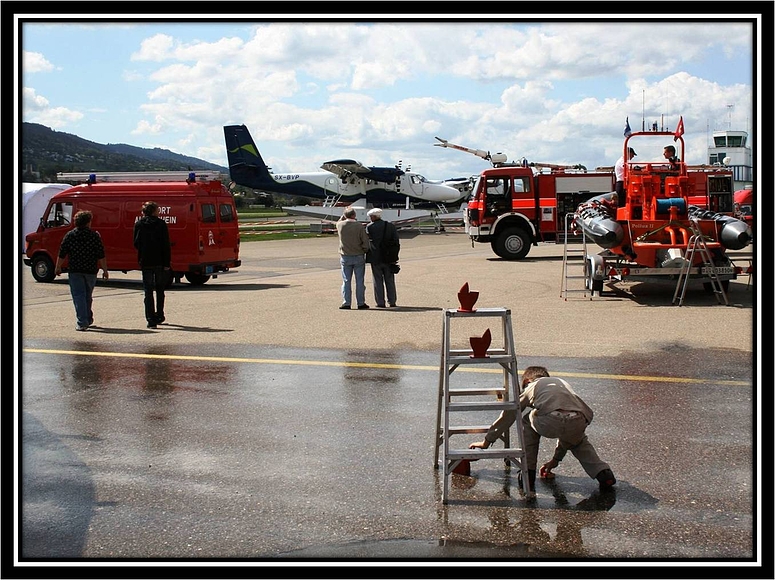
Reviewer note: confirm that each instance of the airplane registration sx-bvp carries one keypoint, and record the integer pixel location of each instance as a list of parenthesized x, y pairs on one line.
[(343, 180)]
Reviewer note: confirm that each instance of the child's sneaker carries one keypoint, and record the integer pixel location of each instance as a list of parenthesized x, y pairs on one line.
[(606, 479)]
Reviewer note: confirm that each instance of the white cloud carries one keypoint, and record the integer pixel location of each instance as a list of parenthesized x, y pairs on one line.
[(157, 48), (35, 62), (36, 109)]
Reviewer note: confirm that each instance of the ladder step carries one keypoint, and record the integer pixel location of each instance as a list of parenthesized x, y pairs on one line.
[(463, 429), (507, 358), (469, 454), (469, 391), (468, 352), (487, 406)]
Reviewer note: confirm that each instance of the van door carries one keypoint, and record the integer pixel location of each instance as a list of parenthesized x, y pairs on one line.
[(218, 230), (228, 233)]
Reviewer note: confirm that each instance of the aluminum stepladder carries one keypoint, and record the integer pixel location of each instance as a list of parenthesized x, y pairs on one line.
[(697, 244), (499, 398), (566, 265)]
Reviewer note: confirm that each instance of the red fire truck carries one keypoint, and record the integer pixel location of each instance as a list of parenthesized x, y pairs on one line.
[(514, 207)]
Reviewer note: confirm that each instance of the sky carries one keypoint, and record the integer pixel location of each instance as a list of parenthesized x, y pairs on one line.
[(309, 90)]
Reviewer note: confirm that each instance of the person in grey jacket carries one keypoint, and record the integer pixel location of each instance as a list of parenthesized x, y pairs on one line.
[(353, 245), (557, 412), (152, 241)]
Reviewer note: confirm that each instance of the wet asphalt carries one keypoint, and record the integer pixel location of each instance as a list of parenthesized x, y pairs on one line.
[(264, 426)]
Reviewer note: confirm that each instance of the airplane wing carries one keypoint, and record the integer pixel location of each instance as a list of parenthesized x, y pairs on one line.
[(346, 169)]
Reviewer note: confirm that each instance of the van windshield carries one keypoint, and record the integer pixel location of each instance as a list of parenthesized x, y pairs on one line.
[(59, 214)]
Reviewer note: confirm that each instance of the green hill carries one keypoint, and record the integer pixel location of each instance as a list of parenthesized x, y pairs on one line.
[(46, 152)]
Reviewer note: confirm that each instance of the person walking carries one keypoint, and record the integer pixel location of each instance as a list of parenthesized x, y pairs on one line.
[(353, 245), (557, 412), (85, 252), (384, 246), (152, 241)]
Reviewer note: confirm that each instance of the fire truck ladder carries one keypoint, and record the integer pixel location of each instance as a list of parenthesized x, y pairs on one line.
[(503, 398), (697, 244), (567, 264)]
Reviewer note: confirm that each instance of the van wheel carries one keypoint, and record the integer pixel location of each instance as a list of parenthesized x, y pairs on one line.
[(43, 269), (196, 279), (512, 244)]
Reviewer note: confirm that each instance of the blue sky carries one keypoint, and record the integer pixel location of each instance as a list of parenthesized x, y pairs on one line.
[(553, 91)]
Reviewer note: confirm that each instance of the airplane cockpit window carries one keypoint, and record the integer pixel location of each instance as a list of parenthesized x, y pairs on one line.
[(59, 215)]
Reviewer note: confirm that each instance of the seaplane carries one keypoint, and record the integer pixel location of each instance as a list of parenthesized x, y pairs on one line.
[(408, 195), (675, 222)]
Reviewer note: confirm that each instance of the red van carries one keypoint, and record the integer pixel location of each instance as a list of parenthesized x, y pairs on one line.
[(199, 210)]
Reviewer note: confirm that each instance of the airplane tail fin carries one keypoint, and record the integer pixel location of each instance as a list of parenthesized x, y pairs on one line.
[(246, 166)]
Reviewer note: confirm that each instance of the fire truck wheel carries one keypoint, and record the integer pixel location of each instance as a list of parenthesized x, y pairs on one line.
[(196, 279), (43, 269), (512, 244)]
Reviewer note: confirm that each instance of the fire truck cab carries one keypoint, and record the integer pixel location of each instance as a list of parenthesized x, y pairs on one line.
[(515, 207), (199, 210)]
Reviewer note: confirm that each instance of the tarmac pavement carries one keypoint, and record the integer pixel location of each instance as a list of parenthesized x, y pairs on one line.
[(263, 425)]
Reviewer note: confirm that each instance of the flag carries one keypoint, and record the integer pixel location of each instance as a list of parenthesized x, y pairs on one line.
[(680, 129), (627, 130)]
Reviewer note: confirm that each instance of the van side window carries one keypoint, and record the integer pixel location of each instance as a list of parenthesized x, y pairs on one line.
[(208, 212), (226, 213), (59, 215)]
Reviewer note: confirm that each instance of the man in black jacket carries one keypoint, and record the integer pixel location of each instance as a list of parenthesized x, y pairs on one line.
[(384, 247), (152, 240)]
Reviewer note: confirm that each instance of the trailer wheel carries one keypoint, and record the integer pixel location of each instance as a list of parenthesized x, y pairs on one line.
[(591, 284), (43, 269), (512, 244), (196, 279)]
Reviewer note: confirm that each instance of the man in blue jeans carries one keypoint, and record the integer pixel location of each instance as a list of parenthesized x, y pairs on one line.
[(353, 245), (83, 248), (152, 240)]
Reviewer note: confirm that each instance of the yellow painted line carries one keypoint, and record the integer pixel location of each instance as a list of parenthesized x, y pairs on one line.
[(269, 361)]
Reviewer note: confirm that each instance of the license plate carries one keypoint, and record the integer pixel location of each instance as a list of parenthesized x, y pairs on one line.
[(208, 269), (719, 270)]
